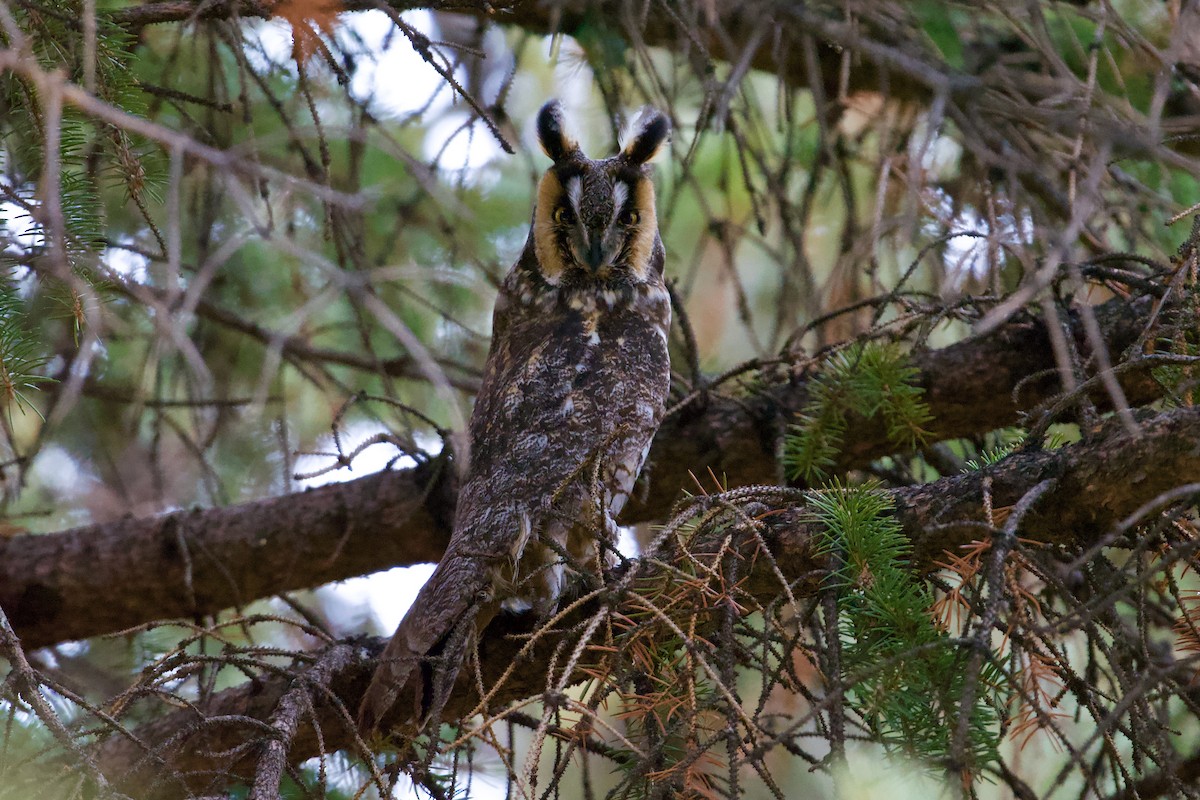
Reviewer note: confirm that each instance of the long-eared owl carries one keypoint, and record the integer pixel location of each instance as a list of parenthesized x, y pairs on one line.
[(573, 390)]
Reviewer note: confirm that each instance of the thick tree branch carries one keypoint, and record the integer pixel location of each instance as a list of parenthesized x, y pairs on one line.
[(1095, 486), (969, 387), (725, 33), (192, 563), (732, 32), (105, 578)]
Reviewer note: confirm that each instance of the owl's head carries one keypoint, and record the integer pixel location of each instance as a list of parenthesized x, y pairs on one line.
[(595, 220)]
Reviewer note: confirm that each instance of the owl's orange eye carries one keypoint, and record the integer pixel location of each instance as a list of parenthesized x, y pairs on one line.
[(562, 215), (630, 218)]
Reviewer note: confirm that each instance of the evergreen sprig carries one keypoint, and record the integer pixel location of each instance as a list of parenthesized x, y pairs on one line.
[(1180, 380), (54, 39), (21, 356), (905, 676), (868, 379), (994, 455)]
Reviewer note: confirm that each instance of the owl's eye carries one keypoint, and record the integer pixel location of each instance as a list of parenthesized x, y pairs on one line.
[(630, 217), (562, 215)]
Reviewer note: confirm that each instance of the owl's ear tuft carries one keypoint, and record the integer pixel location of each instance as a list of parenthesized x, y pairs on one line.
[(651, 131), (552, 134)]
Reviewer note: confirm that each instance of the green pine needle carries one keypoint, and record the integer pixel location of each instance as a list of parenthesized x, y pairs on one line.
[(867, 379), (20, 353), (906, 676)]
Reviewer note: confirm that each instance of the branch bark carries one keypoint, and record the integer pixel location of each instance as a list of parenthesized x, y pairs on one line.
[(105, 578), (905, 69), (198, 562), (1095, 487)]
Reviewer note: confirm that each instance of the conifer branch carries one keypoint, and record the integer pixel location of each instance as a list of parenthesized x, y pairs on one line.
[(1090, 496), (49, 583)]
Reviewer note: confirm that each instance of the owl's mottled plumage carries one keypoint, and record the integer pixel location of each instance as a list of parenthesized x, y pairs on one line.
[(573, 390)]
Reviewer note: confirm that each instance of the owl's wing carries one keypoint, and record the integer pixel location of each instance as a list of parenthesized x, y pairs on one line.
[(422, 659), (430, 644)]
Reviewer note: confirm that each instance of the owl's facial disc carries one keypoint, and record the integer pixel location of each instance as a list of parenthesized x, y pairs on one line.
[(598, 224), (594, 221)]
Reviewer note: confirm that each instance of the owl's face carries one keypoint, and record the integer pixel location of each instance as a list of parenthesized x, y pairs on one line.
[(595, 221)]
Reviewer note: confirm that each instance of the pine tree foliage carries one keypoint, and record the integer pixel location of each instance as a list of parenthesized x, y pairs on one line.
[(866, 379), (1182, 381), (905, 675), (90, 157), (22, 356)]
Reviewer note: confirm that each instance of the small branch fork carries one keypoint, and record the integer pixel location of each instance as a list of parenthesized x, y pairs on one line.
[(296, 703), (1003, 542), (24, 685)]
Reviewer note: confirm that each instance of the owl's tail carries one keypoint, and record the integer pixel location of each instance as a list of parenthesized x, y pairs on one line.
[(421, 662)]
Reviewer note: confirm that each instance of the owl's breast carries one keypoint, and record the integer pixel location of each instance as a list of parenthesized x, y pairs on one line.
[(568, 383), (570, 401)]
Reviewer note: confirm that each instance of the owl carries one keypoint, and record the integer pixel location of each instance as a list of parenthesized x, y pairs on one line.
[(574, 388)]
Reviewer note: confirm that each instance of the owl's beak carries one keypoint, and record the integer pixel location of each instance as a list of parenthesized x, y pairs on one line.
[(595, 253), (592, 249)]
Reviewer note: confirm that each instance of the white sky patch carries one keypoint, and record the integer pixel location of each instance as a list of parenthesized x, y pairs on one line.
[(966, 256), (485, 786), (467, 151), (387, 595), (476, 783), (368, 462), (394, 82), (509, 243), (942, 158), (18, 227), (346, 775), (126, 263), (969, 256), (275, 41), (57, 470), (574, 86), (389, 74), (72, 649), (867, 774), (627, 543)]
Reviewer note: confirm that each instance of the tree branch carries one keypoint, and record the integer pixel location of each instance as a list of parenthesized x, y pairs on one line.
[(105, 578), (197, 562), (909, 69), (1097, 485)]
